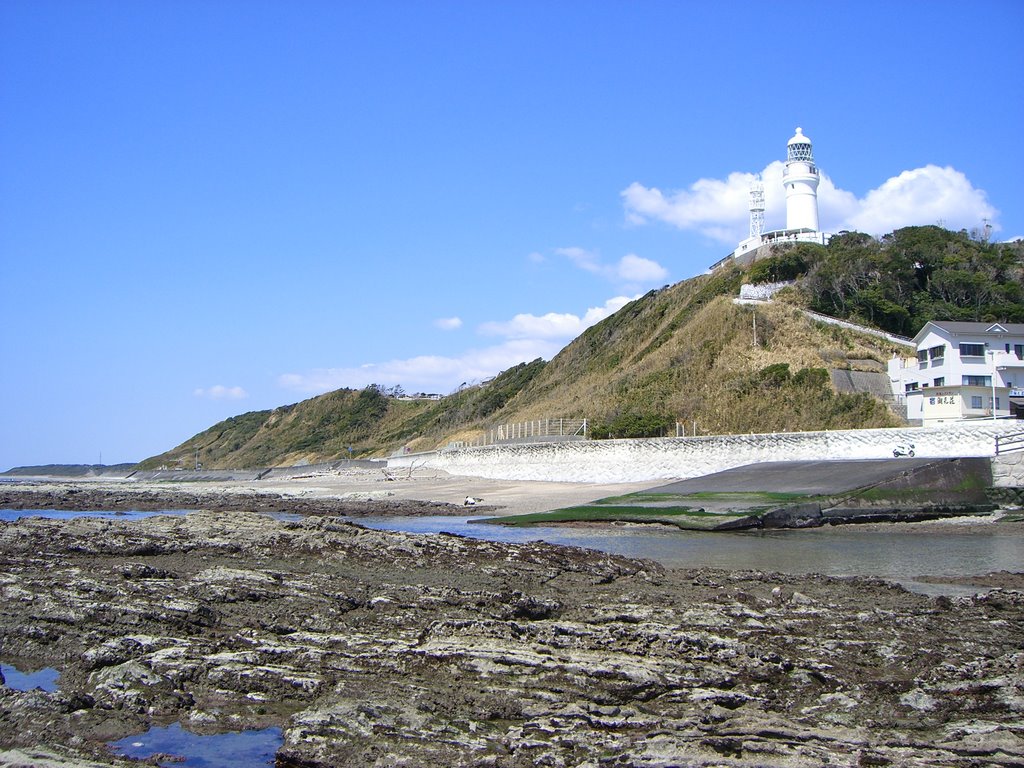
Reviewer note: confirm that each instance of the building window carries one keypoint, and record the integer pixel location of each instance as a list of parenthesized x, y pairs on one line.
[(937, 353), (976, 402), (922, 357), (939, 382), (972, 350), (911, 387), (977, 381), (997, 403), (1018, 350)]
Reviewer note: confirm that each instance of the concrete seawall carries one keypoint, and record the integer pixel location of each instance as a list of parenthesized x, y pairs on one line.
[(622, 461)]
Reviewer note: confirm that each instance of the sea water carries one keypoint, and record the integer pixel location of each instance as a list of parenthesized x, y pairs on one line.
[(898, 554)]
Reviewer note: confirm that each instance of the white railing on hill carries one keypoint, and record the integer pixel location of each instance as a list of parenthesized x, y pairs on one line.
[(538, 429), (901, 340)]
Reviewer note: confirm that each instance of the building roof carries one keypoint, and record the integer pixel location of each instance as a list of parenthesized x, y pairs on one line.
[(963, 328)]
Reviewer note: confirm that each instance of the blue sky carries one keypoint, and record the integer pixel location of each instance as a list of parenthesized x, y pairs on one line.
[(214, 207)]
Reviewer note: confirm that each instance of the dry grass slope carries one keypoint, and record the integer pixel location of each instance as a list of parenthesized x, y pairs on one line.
[(685, 353)]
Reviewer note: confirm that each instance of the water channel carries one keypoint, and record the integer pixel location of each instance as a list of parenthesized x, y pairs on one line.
[(898, 553)]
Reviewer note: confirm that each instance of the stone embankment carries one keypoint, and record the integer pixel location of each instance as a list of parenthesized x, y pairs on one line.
[(372, 648), (622, 461), (1008, 470)]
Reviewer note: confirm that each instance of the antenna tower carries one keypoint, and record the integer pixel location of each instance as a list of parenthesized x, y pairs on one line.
[(756, 207)]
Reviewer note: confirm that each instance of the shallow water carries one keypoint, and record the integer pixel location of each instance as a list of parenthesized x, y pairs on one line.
[(45, 678), (10, 515), (897, 554), (239, 749)]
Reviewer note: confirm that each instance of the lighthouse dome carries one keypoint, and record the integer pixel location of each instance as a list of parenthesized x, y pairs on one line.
[(798, 149), (799, 138)]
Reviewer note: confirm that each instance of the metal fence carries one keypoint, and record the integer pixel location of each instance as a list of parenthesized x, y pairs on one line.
[(528, 431)]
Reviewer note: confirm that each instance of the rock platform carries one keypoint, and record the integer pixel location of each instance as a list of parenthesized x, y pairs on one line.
[(372, 648)]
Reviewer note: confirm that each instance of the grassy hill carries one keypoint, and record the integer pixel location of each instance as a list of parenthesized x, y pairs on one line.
[(685, 353)]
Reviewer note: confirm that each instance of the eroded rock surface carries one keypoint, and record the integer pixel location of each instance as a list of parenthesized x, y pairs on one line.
[(79, 496), (372, 648)]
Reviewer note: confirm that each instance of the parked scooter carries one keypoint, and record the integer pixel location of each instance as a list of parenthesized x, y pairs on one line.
[(903, 449)]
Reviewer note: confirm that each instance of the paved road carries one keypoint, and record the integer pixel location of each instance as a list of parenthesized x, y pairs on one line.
[(809, 477)]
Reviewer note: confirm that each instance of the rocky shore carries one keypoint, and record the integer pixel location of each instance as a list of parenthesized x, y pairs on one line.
[(372, 648), (126, 498)]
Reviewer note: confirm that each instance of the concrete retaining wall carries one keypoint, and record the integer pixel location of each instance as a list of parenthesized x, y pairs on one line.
[(281, 473), (1008, 470), (193, 476), (622, 461)]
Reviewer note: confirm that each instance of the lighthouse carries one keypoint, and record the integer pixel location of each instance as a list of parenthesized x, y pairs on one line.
[(800, 179)]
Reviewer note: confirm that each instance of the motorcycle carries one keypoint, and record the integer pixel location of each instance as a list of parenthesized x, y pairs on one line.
[(903, 450)]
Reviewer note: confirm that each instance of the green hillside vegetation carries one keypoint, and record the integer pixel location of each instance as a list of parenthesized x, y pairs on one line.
[(326, 427), (683, 354), (914, 275)]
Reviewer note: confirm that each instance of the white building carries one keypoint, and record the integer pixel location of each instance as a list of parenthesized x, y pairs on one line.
[(962, 371), (800, 179)]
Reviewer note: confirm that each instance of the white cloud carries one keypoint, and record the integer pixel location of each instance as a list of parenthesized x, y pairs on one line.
[(553, 325), (636, 269), (448, 323), (424, 373), (526, 337), (631, 270), (220, 392), (582, 258), (923, 196), (719, 208)]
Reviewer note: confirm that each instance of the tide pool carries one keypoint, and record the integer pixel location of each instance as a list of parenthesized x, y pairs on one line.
[(239, 749), (45, 678), (10, 515)]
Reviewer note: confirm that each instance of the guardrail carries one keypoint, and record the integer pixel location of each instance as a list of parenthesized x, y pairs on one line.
[(1009, 443)]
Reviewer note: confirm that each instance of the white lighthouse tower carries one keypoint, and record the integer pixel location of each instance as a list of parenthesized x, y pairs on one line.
[(800, 179)]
